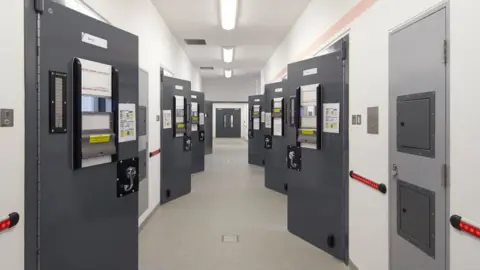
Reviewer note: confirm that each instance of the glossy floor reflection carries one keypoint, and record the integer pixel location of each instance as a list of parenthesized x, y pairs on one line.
[(230, 199)]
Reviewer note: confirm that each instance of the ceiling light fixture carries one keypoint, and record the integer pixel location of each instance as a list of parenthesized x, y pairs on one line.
[(228, 13), (228, 55), (228, 73)]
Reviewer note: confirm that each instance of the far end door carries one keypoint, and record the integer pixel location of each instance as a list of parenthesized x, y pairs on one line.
[(228, 123), (418, 218)]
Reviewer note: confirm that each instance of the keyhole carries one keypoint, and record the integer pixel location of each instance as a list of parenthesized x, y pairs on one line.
[(404, 210), (402, 124)]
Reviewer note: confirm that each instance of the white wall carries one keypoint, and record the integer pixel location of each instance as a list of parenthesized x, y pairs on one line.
[(312, 30), (233, 89), (464, 130), (12, 96), (244, 116), (157, 47), (368, 22)]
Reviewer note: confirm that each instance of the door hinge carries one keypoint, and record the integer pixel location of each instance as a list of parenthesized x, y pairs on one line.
[(445, 51), (444, 175), (39, 6), (344, 50)]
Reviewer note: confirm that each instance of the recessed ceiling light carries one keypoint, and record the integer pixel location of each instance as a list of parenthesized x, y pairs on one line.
[(228, 73), (228, 55), (228, 13)]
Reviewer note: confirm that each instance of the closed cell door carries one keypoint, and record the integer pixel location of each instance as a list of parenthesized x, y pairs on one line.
[(228, 123), (417, 205)]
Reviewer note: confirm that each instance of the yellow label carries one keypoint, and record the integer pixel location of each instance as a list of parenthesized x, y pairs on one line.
[(195, 118), (308, 132), (103, 138), (276, 110), (180, 125)]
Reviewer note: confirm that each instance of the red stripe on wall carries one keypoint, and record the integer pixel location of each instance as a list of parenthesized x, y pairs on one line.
[(348, 18)]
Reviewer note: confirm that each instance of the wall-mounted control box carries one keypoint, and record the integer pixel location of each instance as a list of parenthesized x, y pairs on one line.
[(6, 117), (95, 130), (180, 123), (309, 118), (277, 116)]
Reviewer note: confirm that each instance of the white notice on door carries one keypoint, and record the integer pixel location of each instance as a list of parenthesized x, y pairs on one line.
[(331, 117), (127, 122), (96, 79), (268, 120), (202, 119), (167, 119), (256, 124), (262, 115)]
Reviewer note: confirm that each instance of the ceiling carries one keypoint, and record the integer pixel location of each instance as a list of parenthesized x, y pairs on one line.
[(261, 27)]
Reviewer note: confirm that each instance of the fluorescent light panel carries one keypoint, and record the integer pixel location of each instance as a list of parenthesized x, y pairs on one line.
[(228, 13), (228, 55), (228, 73)]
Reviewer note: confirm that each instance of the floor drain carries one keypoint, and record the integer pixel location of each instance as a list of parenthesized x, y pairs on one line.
[(230, 238)]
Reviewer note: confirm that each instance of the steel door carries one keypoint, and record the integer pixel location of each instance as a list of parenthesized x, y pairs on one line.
[(318, 194), (83, 224), (417, 203), (198, 145), (208, 127), (228, 123), (256, 152), (275, 164), (175, 161)]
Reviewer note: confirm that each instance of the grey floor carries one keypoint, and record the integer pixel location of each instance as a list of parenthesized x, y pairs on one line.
[(229, 198)]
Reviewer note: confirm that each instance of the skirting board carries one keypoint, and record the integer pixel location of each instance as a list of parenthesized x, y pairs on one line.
[(352, 266), (140, 228)]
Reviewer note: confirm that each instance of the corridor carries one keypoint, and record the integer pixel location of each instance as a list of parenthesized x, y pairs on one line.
[(228, 199)]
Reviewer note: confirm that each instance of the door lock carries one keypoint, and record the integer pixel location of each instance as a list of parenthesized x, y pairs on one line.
[(394, 170)]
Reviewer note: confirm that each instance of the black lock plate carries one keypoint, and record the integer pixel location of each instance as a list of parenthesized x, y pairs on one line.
[(250, 133), (267, 142), (201, 135), (187, 143), (127, 177), (294, 157)]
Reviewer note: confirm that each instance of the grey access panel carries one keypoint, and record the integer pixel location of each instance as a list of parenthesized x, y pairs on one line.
[(256, 152), (416, 68), (275, 164), (198, 147), (83, 224), (416, 124), (318, 194), (176, 163), (416, 216), (208, 127)]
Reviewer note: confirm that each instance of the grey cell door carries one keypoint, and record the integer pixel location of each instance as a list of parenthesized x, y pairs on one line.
[(176, 162), (208, 127), (256, 151), (275, 163), (228, 123), (198, 145), (417, 203), (84, 224)]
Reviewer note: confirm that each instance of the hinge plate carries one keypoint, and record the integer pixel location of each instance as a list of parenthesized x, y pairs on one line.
[(444, 175), (445, 52), (344, 50)]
